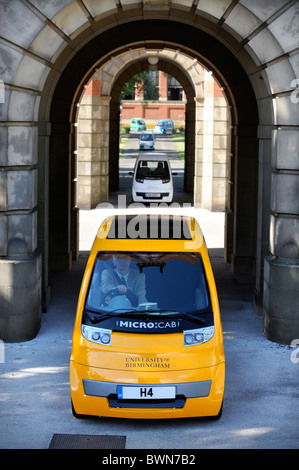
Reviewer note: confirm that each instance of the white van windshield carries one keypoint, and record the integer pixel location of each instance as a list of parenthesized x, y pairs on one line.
[(146, 137), (156, 282), (152, 169)]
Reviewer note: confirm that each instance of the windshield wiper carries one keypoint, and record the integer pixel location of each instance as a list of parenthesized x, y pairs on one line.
[(122, 311), (184, 314), (104, 314), (199, 320)]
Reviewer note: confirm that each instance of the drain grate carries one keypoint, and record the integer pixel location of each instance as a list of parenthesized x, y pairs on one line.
[(85, 441)]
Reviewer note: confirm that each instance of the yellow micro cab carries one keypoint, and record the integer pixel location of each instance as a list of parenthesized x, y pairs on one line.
[(147, 340)]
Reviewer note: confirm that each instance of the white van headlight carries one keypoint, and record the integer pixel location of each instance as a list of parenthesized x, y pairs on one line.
[(96, 335), (202, 335)]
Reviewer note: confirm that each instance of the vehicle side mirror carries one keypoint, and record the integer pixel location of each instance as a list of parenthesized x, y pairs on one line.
[(174, 174), (131, 173)]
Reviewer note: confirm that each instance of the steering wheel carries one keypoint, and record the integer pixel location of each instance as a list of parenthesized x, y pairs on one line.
[(115, 292), (112, 293)]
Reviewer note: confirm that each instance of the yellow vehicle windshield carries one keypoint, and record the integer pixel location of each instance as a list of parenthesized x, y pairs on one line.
[(155, 285)]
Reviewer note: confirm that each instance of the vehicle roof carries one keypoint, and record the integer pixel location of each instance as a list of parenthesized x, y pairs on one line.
[(145, 232), (152, 156)]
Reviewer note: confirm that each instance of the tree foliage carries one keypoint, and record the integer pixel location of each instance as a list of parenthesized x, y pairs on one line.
[(143, 81)]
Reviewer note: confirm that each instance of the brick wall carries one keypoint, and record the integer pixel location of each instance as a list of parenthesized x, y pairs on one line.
[(94, 88), (153, 112)]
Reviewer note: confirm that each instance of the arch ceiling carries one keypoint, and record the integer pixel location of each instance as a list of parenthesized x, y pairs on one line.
[(39, 37), (189, 67)]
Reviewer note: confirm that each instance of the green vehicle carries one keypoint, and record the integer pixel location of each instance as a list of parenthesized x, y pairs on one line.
[(137, 124)]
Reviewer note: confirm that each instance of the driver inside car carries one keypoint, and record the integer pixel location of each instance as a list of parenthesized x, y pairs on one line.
[(123, 281)]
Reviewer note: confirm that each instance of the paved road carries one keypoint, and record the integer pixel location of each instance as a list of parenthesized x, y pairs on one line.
[(261, 392), (163, 143)]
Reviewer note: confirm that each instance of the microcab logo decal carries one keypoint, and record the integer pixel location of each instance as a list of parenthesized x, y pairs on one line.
[(140, 325)]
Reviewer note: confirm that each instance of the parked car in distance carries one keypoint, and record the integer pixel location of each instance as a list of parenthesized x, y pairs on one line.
[(152, 178), (147, 141), (137, 124), (165, 126)]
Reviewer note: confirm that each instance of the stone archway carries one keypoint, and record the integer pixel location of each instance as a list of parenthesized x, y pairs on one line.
[(102, 109), (242, 210), (204, 117), (168, 67), (49, 49)]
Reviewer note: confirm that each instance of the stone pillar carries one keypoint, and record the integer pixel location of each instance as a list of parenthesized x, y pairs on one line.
[(93, 146), (263, 218), (243, 257), (44, 131), (199, 102), (20, 263), (60, 203), (281, 271), (220, 150), (190, 139), (211, 147), (114, 146)]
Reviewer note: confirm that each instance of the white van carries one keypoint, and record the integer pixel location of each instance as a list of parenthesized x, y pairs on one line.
[(152, 178), (147, 141)]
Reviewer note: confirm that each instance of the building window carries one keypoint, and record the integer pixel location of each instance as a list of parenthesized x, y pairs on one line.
[(174, 89)]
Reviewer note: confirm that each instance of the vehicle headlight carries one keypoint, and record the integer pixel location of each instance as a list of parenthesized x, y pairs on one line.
[(96, 335), (202, 335)]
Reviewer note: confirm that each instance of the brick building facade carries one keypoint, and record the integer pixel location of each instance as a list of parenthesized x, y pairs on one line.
[(153, 111)]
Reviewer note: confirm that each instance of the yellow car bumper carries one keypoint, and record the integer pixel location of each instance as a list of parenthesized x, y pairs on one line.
[(199, 392)]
